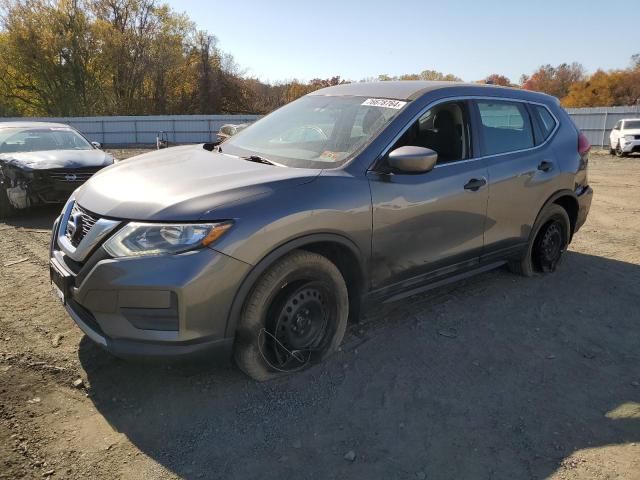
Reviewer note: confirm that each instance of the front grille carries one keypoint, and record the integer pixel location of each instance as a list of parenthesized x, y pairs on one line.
[(84, 221), (637, 137), (69, 175)]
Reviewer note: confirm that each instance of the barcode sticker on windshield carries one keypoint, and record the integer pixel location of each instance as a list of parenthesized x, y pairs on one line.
[(384, 102)]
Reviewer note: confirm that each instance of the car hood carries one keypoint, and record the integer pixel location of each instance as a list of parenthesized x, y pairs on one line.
[(181, 183), (57, 159), (634, 131)]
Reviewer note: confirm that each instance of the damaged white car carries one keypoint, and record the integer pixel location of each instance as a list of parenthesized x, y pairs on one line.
[(43, 163)]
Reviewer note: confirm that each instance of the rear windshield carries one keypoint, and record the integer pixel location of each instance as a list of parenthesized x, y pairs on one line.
[(633, 125), (13, 140), (315, 131)]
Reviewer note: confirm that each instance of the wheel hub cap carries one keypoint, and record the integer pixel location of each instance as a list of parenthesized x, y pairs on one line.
[(301, 325)]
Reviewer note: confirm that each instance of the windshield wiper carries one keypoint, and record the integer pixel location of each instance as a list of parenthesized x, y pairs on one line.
[(258, 159)]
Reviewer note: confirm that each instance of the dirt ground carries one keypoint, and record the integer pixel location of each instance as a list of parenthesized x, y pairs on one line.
[(497, 377)]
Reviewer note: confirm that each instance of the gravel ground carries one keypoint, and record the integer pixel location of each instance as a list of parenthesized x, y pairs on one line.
[(496, 377)]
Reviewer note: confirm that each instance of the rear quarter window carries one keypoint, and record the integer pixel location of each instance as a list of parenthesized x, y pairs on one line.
[(546, 122), (505, 126)]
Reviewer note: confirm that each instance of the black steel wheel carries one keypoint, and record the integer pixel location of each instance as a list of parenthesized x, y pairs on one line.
[(299, 325), (294, 317), (548, 241), (549, 246)]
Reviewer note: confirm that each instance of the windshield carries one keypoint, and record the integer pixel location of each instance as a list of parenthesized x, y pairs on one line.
[(315, 131), (38, 139), (633, 125)]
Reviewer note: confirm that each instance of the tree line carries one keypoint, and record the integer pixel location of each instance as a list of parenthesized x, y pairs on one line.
[(140, 57)]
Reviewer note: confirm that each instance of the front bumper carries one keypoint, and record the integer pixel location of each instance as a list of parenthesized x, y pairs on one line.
[(585, 196), (153, 306), (630, 146)]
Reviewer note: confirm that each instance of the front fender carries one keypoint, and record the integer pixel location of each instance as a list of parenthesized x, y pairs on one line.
[(336, 207)]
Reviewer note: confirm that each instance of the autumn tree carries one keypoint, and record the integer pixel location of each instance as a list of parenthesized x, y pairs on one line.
[(554, 81), (134, 35), (439, 76), (497, 79), (602, 89), (48, 56), (318, 83), (424, 75), (596, 90)]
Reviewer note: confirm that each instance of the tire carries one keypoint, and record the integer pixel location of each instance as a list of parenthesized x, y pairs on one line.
[(619, 152), (552, 230), (6, 209), (294, 317)]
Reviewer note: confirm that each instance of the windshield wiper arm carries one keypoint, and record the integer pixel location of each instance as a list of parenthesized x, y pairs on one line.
[(258, 159)]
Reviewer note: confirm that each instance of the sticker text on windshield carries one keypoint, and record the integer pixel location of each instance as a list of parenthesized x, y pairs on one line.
[(384, 102)]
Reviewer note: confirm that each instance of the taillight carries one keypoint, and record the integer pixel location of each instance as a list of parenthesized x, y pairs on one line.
[(583, 144)]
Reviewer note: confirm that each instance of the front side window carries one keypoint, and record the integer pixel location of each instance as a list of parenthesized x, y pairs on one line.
[(505, 126), (315, 131), (444, 129), (13, 140)]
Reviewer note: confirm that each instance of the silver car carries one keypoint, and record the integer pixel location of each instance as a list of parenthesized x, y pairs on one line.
[(353, 195)]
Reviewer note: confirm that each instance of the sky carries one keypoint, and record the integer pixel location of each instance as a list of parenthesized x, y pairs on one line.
[(278, 40)]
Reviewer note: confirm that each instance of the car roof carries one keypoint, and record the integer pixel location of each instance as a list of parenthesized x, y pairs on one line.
[(32, 125), (630, 120), (413, 89)]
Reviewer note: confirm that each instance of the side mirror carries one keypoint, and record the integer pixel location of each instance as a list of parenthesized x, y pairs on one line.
[(96, 144), (410, 159)]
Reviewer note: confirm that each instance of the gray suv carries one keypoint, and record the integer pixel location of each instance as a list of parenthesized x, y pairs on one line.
[(352, 195)]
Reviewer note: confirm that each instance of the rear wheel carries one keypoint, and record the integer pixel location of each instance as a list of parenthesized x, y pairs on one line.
[(548, 242), (294, 317)]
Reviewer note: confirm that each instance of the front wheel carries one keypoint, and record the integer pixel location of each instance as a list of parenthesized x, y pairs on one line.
[(619, 152), (549, 240), (294, 317)]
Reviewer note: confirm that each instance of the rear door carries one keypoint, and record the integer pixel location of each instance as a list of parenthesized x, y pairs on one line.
[(522, 168)]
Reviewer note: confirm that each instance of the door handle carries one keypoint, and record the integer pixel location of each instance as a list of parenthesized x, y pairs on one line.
[(475, 184), (545, 166)]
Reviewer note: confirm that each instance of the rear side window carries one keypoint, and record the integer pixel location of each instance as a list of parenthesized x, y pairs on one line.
[(505, 126), (546, 122)]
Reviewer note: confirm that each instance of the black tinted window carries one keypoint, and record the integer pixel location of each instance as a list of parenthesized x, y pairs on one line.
[(444, 129), (546, 121), (505, 126)]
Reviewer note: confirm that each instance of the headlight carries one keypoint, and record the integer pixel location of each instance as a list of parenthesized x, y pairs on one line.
[(136, 239), (629, 138)]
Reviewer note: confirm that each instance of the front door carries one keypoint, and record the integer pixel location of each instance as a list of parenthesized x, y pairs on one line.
[(433, 223)]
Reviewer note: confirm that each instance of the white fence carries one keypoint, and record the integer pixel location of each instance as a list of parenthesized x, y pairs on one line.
[(143, 130), (596, 123)]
